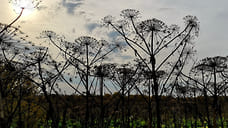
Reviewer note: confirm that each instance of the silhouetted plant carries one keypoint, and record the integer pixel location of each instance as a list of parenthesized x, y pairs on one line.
[(83, 54), (209, 76), (32, 62), (103, 71), (125, 77), (149, 38), (213, 67), (47, 74), (15, 72)]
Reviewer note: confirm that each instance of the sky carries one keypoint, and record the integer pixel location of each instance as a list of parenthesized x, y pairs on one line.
[(74, 18)]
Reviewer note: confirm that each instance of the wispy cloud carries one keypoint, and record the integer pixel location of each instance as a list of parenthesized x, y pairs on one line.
[(91, 26), (71, 5)]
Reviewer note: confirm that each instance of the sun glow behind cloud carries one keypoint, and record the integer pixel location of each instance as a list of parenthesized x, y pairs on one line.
[(28, 6)]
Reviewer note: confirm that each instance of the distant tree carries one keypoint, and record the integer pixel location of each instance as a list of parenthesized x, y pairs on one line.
[(155, 44)]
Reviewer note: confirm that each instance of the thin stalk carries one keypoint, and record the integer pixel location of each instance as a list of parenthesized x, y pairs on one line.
[(87, 88), (4, 29), (102, 102)]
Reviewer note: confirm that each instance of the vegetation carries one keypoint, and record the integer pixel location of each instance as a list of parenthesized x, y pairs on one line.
[(155, 89)]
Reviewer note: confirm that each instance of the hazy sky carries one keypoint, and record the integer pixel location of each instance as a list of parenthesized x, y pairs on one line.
[(74, 18)]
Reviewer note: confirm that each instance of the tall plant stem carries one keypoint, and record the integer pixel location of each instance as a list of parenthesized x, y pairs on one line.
[(18, 17)]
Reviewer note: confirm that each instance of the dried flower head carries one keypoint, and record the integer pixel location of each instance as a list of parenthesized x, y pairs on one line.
[(218, 63), (193, 22), (105, 70), (124, 71), (121, 24), (154, 25), (86, 41), (52, 37), (173, 29), (103, 43), (118, 45), (107, 20), (130, 13), (147, 74), (190, 51), (48, 34)]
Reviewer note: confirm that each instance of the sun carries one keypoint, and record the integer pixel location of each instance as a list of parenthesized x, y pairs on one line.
[(28, 6)]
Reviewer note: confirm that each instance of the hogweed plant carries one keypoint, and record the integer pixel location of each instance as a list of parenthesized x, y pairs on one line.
[(208, 74), (155, 44), (17, 70), (83, 55)]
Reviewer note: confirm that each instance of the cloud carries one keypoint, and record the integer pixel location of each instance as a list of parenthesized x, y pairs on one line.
[(127, 57), (23, 21), (42, 7), (91, 26), (113, 35), (165, 9), (71, 5)]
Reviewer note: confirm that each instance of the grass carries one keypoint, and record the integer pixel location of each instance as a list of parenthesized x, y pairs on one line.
[(139, 123)]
